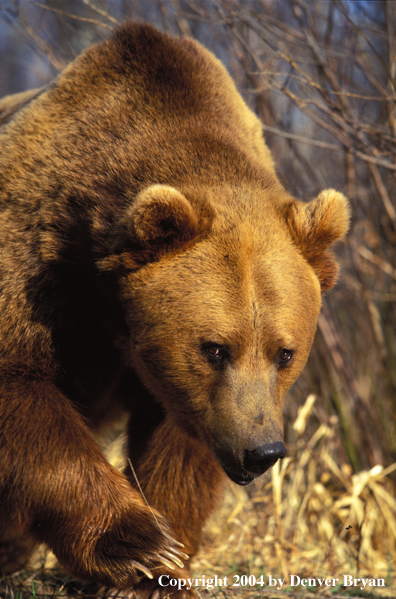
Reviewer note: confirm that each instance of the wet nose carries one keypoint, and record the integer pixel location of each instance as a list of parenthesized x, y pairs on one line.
[(260, 459)]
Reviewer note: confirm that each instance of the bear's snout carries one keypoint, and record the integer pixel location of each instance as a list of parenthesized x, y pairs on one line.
[(261, 458), (243, 466)]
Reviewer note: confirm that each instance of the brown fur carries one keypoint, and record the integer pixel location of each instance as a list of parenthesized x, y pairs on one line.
[(143, 227)]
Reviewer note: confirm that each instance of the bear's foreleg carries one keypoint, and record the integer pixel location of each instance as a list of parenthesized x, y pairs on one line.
[(181, 479), (56, 487)]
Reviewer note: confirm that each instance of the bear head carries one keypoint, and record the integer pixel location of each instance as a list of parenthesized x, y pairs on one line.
[(222, 307)]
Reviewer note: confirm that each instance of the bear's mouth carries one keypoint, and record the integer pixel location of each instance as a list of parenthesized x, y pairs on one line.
[(235, 471), (241, 478)]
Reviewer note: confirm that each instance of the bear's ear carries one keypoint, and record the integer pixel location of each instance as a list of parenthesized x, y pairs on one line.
[(162, 218), (317, 224)]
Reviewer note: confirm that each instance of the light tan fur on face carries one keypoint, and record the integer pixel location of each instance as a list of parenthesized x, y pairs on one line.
[(246, 288)]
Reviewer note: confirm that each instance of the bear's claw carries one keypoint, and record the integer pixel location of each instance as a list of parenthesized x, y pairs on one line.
[(142, 568), (175, 559), (172, 540), (167, 563)]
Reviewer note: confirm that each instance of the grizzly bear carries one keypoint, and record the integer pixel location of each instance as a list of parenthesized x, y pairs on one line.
[(151, 262)]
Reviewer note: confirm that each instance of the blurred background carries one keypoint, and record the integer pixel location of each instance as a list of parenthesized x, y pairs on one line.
[(321, 76)]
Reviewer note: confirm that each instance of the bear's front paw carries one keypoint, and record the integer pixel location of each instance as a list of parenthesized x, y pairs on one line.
[(133, 546)]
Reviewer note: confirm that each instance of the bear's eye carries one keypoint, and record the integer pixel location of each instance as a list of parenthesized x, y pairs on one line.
[(214, 353), (284, 357)]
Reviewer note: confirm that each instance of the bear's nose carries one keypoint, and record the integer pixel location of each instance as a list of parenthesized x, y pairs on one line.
[(260, 459)]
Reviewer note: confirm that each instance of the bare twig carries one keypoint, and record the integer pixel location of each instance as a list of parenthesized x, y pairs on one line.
[(69, 15)]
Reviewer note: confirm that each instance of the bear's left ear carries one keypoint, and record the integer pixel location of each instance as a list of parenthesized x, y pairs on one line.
[(314, 226), (162, 218)]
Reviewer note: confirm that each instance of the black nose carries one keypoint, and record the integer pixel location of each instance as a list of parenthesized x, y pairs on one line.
[(260, 459)]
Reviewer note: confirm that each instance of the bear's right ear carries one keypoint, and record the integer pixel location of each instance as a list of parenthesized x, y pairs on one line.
[(158, 220), (161, 218)]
